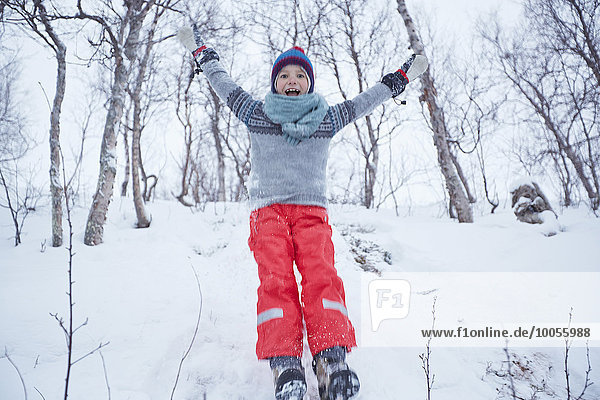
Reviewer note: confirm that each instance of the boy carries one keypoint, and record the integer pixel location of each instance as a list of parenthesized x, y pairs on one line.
[(290, 135)]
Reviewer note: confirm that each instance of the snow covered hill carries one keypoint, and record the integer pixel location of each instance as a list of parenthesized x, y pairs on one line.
[(139, 295)]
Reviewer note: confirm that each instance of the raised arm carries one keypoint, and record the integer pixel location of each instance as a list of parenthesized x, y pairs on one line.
[(391, 85), (207, 60)]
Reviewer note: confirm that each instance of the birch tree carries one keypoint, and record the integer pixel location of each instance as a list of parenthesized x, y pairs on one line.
[(32, 15), (18, 197), (362, 41), (143, 69), (456, 191), (184, 103), (559, 98), (570, 30), (122, 36)]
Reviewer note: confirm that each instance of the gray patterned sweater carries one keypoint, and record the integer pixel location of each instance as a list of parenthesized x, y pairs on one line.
[(280, 172)]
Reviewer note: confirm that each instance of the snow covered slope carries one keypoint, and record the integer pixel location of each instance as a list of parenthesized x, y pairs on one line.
[(138, 293)]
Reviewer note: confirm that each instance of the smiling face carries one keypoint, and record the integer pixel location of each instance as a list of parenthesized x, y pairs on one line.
[(292, 81)]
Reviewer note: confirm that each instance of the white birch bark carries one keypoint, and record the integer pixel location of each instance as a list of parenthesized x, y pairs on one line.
[(135, 13), (455, 189), (56, 189)]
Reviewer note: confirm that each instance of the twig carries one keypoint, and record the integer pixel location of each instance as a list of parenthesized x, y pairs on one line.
[(187, 352), (13, 211), (567, 347), (16, 369), (587, 383), (105, 373), (70, 331), (510, 377), (40, 393), (426, 357), (101, 345)]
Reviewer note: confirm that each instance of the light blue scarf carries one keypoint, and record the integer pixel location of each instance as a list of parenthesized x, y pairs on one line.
[(299, 116)]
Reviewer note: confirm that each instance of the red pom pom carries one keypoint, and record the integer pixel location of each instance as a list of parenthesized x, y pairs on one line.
[(300, 49)]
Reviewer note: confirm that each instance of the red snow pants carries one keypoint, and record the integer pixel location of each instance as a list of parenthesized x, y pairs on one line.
[(281, 234)]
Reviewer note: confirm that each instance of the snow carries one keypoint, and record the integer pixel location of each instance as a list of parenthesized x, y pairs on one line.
[(138, 293)]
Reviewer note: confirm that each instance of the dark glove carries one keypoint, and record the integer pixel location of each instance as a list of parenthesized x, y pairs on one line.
[(205, 56), (396, 81), (411, 69)]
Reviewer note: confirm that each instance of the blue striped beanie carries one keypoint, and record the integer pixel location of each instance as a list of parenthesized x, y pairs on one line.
[(296, 56)]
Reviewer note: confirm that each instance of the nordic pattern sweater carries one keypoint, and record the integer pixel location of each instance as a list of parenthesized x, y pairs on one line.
[(280, 172)]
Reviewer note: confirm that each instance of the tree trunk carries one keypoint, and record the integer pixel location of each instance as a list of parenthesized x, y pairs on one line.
[(125, 183), (561, 140), (143, 221), (372, 162), (218, 145), (463, 179), (453, 184), (94, 230), (182, 111), (138, 201), (56, 188)]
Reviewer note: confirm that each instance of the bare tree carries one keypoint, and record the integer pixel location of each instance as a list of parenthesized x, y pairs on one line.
[(17, 193), (135, 93), (184, 101), (32, 15), (239, 152), (471, 101), (68, 328), (426, 356), (570, 30), (561, 101), (14, 143), (20, 198), (352, 41), (569, 26), (121, 33), (456, 189), (215, 163), (287, 23), (216, 108)]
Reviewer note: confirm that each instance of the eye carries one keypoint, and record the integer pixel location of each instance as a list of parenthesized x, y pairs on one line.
[(300, 76), (283, 76)]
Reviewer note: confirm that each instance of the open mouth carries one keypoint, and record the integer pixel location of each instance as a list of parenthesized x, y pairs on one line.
[(292, 92)]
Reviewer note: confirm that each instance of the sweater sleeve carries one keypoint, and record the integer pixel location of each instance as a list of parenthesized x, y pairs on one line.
[(351, 110), (237, 99)]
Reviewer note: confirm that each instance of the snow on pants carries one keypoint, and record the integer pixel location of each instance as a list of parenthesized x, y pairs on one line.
[(279, 235)]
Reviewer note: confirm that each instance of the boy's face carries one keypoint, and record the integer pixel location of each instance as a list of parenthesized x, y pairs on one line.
[(292, 81)]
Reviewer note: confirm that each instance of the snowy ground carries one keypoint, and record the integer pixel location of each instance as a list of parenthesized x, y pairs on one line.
[(138, 292)]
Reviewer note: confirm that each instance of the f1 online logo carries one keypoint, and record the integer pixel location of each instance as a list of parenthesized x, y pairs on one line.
[(388, 299)]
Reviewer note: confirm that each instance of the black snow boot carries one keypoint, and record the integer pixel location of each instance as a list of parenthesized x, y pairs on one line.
[(336, 380), (288, 377)]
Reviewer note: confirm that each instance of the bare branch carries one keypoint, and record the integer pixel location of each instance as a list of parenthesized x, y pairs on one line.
[(7, 356), (189, 349)]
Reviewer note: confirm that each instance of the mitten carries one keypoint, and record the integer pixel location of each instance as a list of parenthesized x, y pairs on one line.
[(192, 40), (411, 69)]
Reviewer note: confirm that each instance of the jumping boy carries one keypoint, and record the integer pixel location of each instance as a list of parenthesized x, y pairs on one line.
[(290, 134)]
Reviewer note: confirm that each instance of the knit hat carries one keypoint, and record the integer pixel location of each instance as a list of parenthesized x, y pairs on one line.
[(296, 56)]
